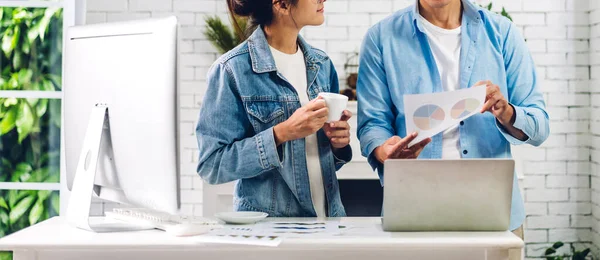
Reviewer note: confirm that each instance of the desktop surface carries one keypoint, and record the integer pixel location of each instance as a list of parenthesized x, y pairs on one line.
[(55, 232), (54, 239)]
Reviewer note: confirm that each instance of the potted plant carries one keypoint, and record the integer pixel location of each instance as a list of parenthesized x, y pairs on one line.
[(221, 36), (551, 253)]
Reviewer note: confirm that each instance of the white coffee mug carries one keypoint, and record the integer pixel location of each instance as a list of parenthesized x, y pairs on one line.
[(336, 103)]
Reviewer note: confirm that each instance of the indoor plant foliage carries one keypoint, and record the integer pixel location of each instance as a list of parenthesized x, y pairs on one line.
[(30, 59), (223, 37), (550, 253)]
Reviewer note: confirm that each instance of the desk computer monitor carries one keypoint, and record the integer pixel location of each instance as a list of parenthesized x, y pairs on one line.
[(120, 99)]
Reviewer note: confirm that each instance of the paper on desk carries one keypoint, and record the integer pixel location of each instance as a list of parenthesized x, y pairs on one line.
[(270, 233), (271, 241), (299, 229), (430, 114)]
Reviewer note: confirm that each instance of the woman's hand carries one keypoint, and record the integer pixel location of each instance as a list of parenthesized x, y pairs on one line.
[(339, 132), (305, 121)]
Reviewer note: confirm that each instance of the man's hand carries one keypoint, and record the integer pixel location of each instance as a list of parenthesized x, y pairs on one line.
[(396, 148), (496, 104)]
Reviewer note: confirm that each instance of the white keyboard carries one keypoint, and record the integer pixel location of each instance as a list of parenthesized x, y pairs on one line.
[(174, 224)]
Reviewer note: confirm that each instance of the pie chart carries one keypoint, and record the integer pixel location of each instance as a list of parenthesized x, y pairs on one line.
[(428, 117), (464, 107)]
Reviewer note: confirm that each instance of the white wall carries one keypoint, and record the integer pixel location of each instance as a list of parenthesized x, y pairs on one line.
[(557, 175), (595, 116)]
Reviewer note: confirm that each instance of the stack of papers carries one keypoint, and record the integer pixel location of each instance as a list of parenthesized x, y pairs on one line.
[(271, 233)]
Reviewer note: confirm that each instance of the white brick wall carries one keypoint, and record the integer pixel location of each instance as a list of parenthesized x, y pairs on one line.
[(593, 88), (559, 194)]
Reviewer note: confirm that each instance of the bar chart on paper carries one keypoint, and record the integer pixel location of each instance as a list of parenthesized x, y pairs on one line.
[(429, 116)]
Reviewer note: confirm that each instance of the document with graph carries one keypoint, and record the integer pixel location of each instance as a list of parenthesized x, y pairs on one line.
[(430, 114)]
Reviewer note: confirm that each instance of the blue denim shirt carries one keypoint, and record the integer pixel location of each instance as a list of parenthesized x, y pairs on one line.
[(396, 59), (246, 98)]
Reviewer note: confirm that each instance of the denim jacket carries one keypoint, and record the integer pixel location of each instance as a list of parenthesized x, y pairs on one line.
[(245, 99)]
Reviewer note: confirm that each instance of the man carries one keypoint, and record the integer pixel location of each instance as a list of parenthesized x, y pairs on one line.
[(445, 45)]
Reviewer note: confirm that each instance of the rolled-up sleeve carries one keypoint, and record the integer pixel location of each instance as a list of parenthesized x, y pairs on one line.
[(229, 150), (524, 93)]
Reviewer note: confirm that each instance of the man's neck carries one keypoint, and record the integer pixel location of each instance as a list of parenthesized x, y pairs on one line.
[(447, 17)]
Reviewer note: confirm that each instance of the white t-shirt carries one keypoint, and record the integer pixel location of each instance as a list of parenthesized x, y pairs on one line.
[(293, 68), (445, 46)]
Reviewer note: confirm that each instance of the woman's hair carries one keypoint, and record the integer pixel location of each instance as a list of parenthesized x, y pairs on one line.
[(259, 12)]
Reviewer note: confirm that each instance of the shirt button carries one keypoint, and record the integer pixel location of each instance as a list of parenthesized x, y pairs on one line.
[(465, 152), (462, 122)]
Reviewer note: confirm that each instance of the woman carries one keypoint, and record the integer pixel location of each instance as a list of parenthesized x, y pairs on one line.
[(261, 123)]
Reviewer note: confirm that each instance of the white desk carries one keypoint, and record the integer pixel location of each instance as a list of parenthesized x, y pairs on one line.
[(54, 239)]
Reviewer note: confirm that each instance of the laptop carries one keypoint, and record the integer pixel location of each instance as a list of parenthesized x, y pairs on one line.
[(447, 195)]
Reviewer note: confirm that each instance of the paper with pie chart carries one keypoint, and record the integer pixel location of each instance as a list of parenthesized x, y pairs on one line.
[(430, 114)]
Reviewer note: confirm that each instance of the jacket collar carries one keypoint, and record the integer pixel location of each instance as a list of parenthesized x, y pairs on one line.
[(262, 58)]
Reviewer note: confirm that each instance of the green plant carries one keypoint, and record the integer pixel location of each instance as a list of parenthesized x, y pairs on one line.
[(550, 253), (221, 36), (30, 59), (5, 255), (503, 12)]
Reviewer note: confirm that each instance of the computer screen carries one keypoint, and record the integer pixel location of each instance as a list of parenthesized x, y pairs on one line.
[(131, 69)]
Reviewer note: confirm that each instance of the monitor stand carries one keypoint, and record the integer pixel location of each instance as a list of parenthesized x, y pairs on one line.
[(80, 201)]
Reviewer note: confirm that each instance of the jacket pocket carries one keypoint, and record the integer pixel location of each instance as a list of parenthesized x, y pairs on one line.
[(264, 114)]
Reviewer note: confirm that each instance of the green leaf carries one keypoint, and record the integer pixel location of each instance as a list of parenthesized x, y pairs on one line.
[(8, 122), (7, 41), (43, 25), (10, 102), (19, 14), (14, 196), (15, 39), (17, 212), (55, 79), (24, 76), (25, 121), (43, 195), (36, 212), (38, 175), (47, 85), (585, 252), (219, 34), (26, 47), (54, 105), (24, 167), (18, 59), (4, 217), (33, 32), (21, 173), (558, 245), (3, 203), (550, 251), (41, 107), (55, 202), (54, 177), (5, 255)]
